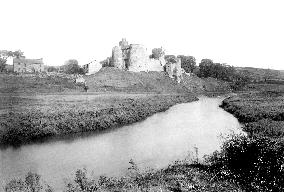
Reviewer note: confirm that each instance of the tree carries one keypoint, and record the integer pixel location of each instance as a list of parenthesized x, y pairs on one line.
[(52, 69), (157, 53), (269, 74), (205, 68), (170, 59), (71, 66), (216, 70), (18, 54), (188, 63), (4, 55)]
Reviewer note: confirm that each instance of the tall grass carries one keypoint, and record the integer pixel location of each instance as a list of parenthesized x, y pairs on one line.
[(179, 176), (32, 125)]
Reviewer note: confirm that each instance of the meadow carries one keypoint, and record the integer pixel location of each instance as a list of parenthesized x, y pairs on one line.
[(33, 118)]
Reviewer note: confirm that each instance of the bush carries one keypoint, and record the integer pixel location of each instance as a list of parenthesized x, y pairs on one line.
[(254, 163), (31, 183)]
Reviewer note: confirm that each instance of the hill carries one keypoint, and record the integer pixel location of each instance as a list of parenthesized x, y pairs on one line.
[(112, 79), (109, 79), (259, 74)]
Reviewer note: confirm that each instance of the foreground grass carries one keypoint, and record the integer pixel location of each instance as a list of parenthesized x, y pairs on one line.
[(180, 176), (55, 116)]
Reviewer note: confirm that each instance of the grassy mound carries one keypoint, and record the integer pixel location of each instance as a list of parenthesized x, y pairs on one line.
[(112, 79)]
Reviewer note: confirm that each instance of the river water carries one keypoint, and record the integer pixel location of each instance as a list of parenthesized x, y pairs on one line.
[(187, 130)]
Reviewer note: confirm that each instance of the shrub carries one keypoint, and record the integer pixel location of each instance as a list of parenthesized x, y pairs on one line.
[(31, 183), (254, 163)]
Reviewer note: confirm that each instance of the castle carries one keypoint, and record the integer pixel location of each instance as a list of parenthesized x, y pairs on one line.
[(134, 57)]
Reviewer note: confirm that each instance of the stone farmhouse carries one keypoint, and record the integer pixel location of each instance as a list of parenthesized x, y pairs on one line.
[(134, 57), (23, 65)]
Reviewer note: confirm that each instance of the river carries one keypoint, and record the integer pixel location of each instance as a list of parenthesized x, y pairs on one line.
[(187, 130)]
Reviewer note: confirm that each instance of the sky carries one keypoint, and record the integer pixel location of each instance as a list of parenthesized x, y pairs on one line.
[(239, 33)]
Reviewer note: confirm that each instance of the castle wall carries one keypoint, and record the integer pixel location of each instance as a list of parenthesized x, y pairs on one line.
[(169, 67), (138, 58), (154, 65), (117, 58), (134, 58), (92, 67), (178, 70)]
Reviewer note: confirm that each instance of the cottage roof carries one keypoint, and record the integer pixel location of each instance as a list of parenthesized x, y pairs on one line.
[(27, 61)]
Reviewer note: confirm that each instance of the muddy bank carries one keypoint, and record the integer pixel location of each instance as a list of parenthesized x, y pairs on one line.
[(41, 122)]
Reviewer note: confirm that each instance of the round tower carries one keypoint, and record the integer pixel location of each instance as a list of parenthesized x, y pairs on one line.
[(117, 60)]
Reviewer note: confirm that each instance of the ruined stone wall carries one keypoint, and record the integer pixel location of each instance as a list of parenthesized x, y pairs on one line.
[(154, 65), (137, 58), (94, 67), (134, 58), (174, 70), (117, 58), (178, 70), (169, 67)]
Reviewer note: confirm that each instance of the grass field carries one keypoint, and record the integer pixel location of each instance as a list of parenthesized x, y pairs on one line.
[(31, 84), (25, 119)]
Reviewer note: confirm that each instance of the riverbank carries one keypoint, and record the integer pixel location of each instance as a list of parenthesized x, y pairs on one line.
[(181, 132), (261, 112), (254, 161), (45, 116)]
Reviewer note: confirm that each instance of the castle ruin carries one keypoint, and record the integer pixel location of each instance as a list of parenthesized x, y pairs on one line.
[(134, 57)]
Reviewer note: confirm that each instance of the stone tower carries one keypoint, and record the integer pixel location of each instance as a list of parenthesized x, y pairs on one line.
[(117, 60), (137, 58)]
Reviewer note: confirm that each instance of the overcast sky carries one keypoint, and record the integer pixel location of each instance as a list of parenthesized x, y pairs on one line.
[(239, 33)]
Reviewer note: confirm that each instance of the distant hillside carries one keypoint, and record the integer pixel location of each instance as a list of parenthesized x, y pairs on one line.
[(259, 74)]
